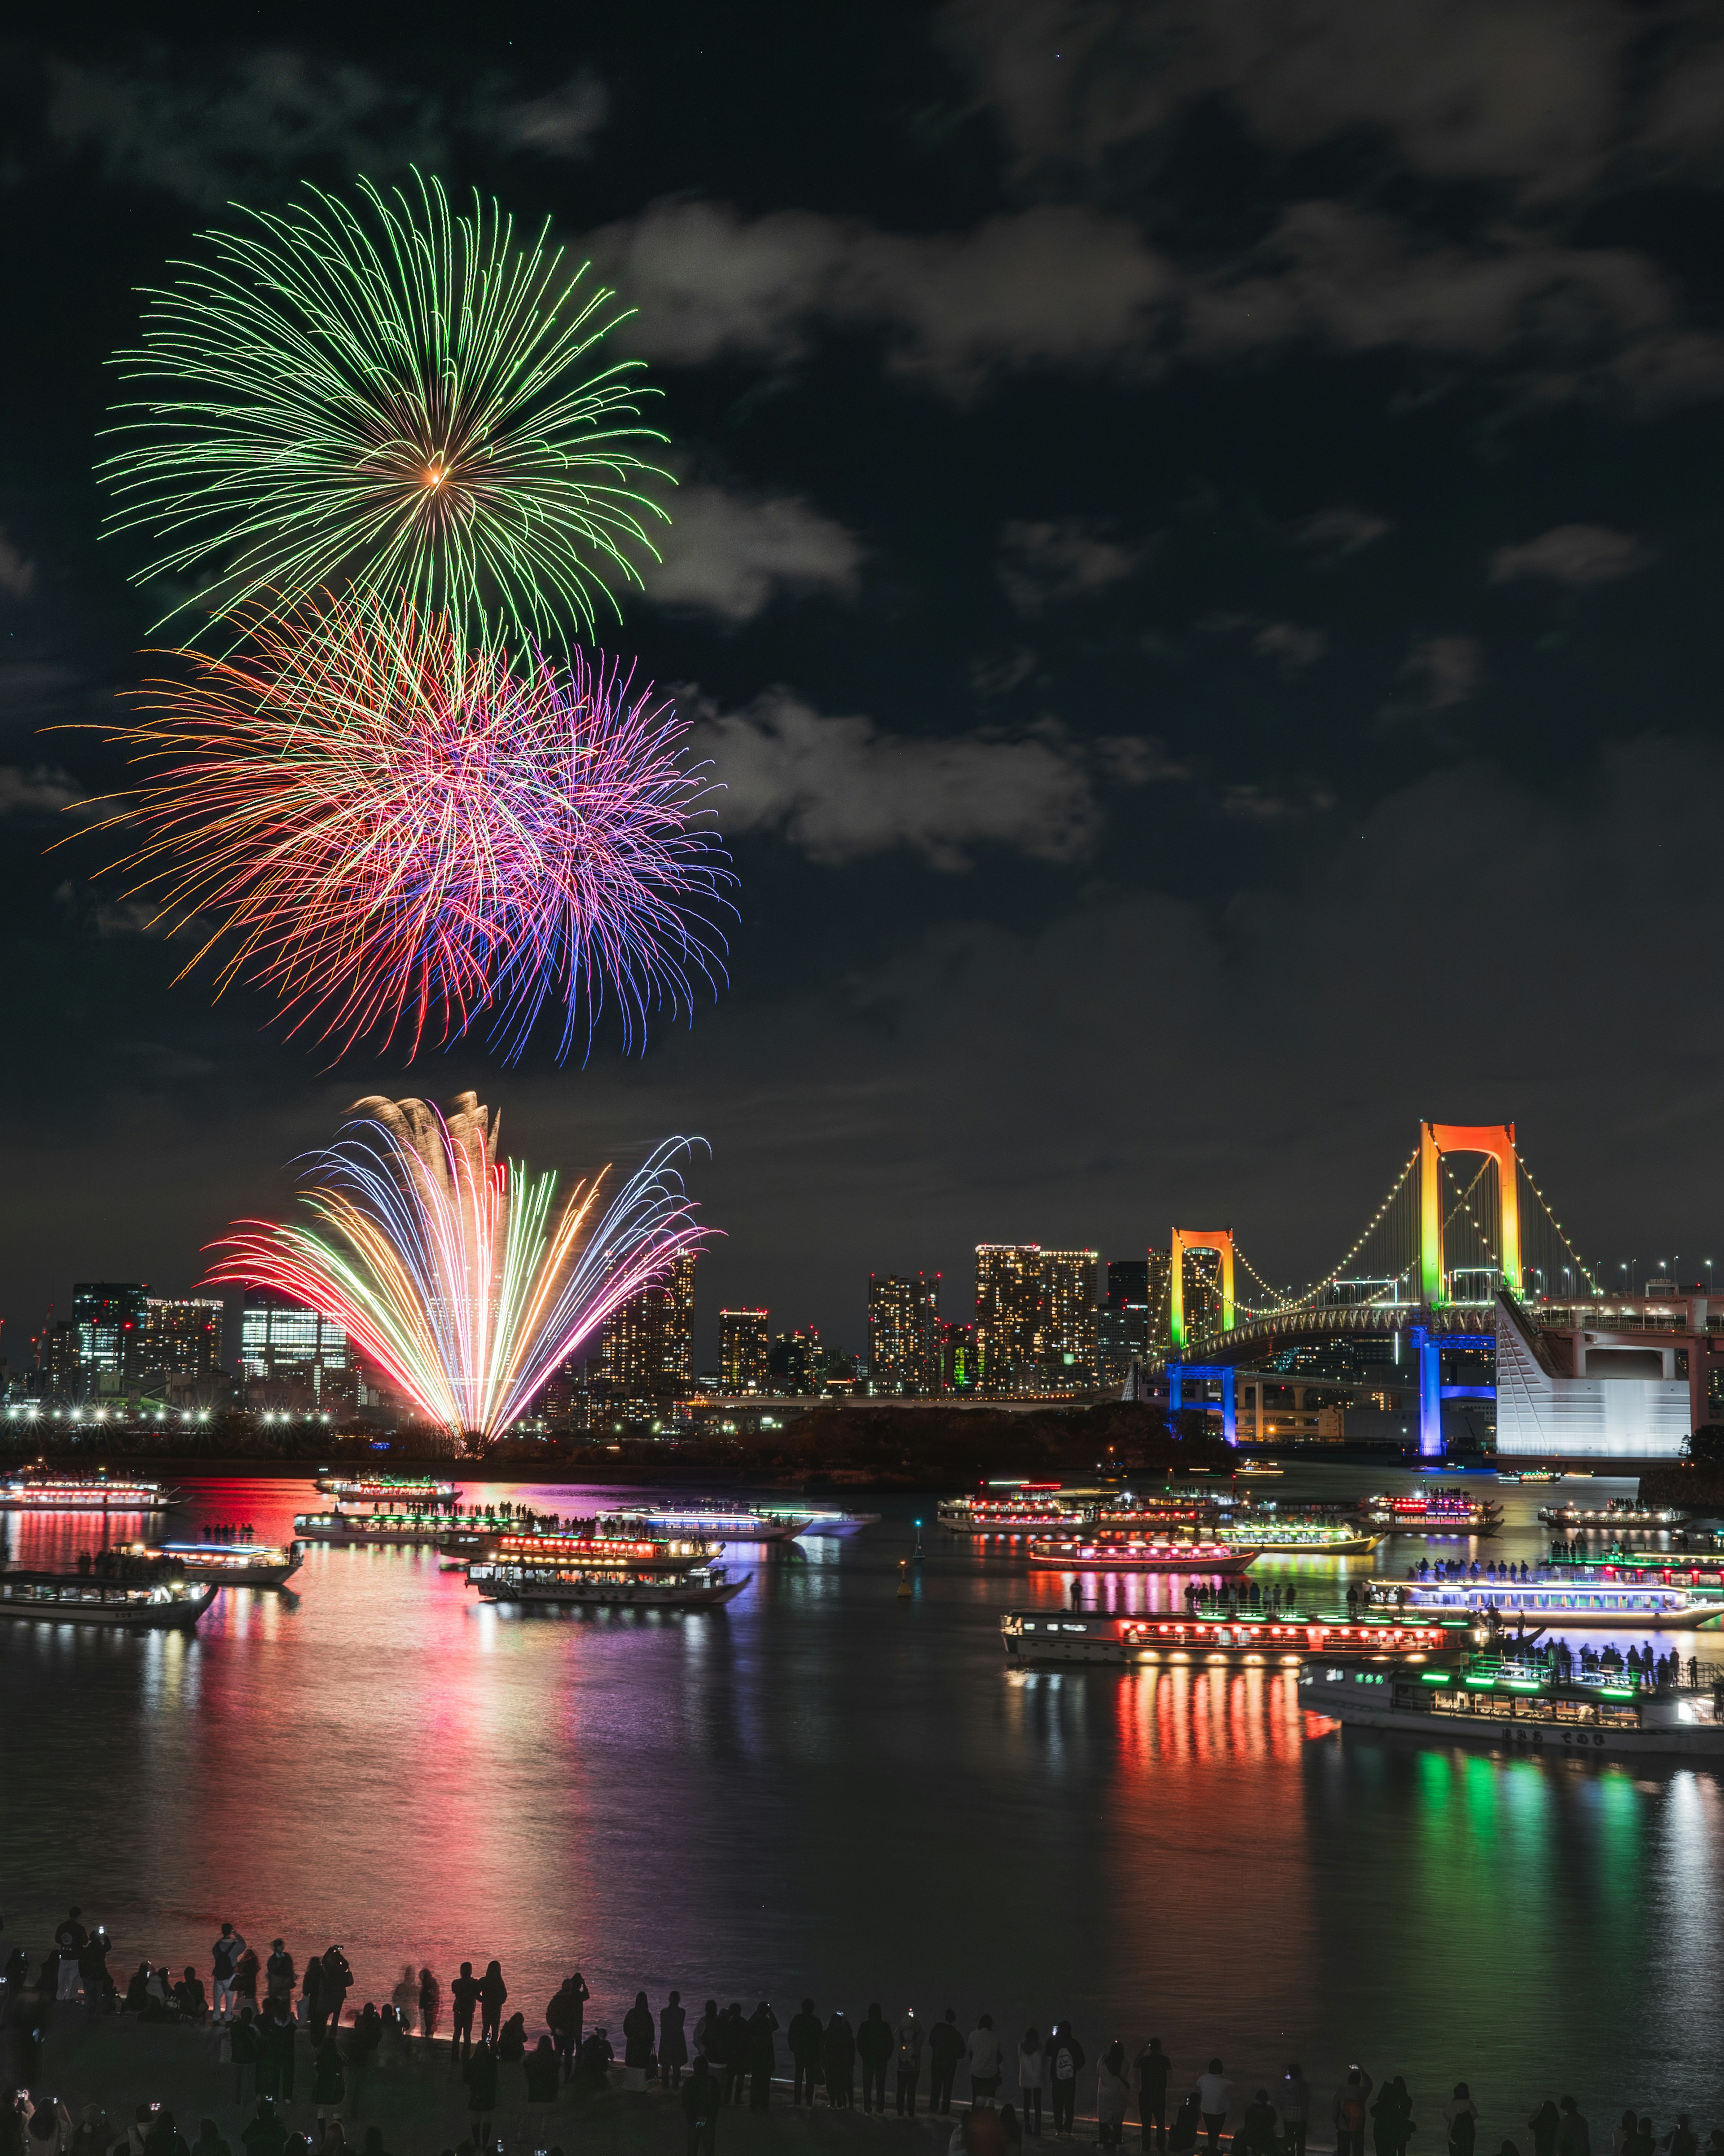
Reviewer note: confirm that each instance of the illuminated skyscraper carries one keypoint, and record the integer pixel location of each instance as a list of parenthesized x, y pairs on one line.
[(958, 1358), (1122, 1324), (1035, 1318), (646, 1348), (288, 1343), (183, 1336), (109, 1316), (904, 1332), (796, 1361), (743, 1349), (1067, 1344)]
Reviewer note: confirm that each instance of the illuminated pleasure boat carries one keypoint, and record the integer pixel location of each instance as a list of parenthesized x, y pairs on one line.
[(1700, 1575), (606, 1571), (230, 1564), (395, 1490), (1022, 1508), (726, 1523), (119, 1599), (39, 1490), (1042, 1635), (1490, 1701), (820, 1520), (1271, 1536), (1133, 1553), (1556, 1600), (355, 1530), (1620, 1514), (1433, 1512)]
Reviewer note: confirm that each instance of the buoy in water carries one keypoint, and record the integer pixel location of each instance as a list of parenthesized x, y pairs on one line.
[(904, 1586)]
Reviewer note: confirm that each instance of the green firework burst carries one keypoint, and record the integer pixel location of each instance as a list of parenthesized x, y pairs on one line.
[(394, 397)]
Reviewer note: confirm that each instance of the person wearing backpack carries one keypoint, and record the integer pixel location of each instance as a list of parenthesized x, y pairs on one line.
[(224, 1962), (1351, 2109), (1065, 2062)]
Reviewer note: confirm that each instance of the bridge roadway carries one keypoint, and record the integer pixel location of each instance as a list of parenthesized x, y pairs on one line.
[(1295, 1328)]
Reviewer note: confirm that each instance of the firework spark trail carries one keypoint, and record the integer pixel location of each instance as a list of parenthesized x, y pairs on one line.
[(393, 397), (400, 837), (443, 1266)]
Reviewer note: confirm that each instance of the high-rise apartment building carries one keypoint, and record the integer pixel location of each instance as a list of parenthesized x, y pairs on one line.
[(743, 1347), (109, 1316), (646, 1347), (183, 1336), (1035, 1318), (798, 1361), (288, 1343), (1123, 1323), (904, 1333), (1159, 1273), (59, 1360)]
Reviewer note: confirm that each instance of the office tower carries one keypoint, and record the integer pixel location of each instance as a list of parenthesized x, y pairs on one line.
[(183, 1336), (798, 1361), (904, 1332), (958, 1357), (1123, 1323), (288, 1343), (646, 1348), (743, 1349), (1159, 1269), (109, 1316), (59, 1364)]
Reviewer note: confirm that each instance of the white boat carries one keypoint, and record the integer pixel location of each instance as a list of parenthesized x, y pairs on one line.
[(113, 1600), (1033, 1509), (1274, 1538), (821, 1520), (1130, 1553), (1271, 1638), (395, 1490), (1561, 1602), (357, 1529), (1516, 1704), (1621, 1515), (603, 1571), (231, 1564), (38, 1490), (725, 1523)]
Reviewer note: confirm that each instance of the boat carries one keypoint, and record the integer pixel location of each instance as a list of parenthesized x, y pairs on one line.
[(1435, 1511), (726, 1523), (230, 1564), (1620, 1513), (39, 1490), (1130, 1553), (1529, 1474), (1700, 1575), (1492, 1700), (821, 1520), (395, 1490), (1559, 1601), (357, 1529), (1030, 1636), (1028, 1508), (1149, 1514), (121, 1599), (1260, 1467), (608, 1571), (1273, 1536)]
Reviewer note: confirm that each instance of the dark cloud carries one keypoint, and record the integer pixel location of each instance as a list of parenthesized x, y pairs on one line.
[(1043, 563), (1294, 646), (18, 576), (1578, 554), (561, 123), (38, 792), (1339, 532), (730, 555)]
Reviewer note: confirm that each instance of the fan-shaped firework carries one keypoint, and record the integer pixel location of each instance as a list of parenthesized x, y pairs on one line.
[(452, 1273), (400, 837), (392, 396)]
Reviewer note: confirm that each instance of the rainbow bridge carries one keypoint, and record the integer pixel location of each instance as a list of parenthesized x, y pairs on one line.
[(1463, 1253)]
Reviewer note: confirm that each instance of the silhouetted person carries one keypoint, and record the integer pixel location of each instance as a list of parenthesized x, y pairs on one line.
[(699, 2107), (1154, 2067), (492, 1993), (763, 2056), (945, 2047), (838, 2056), (673, 2044), (464, 2004), (873, 2047), (805, 2036)]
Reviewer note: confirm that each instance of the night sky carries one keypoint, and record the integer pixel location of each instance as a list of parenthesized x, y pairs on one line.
[(1197, 560)]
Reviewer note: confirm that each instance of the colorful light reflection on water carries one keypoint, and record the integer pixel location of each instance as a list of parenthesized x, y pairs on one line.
[(824, 1787)]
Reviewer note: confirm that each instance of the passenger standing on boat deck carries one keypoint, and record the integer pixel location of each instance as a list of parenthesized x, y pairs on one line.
[(1573, 2136), (673, 2045), (430, 2005), (945, 2047), (279, 1971), (1390, 2117), (312, 1999), (763, 2056), (70, 1937), (1621, 2139), (1153, 2068), (1215, 2095), (982, 2052), (873, 2047), (805, 2037), (224, 1960), (464, 2004), (1113, 2093), (1544, 2122), (1681, 2140), (837, 2055), (564, 2015), (1065, 2062), (1032, 2072), (337, 1982), (492, 1993), (1462, 2115), (638, 2030), (1293, 2103), (910, 2062)]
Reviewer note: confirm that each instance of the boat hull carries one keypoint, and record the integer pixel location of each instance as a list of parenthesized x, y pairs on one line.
[(605, 1594), (247, 1575), (180, 1614), (1342, 1546), (1543, 1739)]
